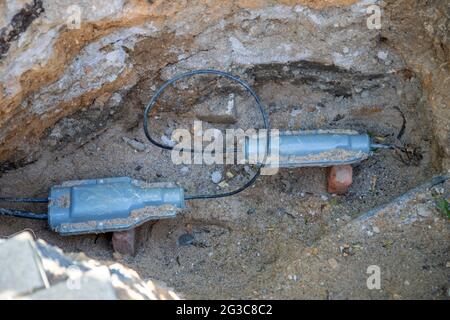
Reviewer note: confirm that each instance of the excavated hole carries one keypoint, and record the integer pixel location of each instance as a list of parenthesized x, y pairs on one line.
[(239, 238)]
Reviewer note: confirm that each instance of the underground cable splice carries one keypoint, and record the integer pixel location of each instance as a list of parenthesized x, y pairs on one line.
[(117, 204)]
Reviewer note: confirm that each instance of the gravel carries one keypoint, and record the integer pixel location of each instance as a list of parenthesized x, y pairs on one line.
[(186, 239), (216, 177)]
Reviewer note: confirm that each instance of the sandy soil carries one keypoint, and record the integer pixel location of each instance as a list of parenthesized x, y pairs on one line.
[(239, 239)]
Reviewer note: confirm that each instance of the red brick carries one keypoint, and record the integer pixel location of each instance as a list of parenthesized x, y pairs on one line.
[(124, 242), (339, 179)]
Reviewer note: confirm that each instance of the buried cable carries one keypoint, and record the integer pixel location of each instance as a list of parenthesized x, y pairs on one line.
[(23, 214), (24, 200), (122, 203), (226, 75)]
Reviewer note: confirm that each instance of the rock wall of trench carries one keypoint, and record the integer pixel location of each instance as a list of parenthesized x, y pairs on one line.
[(51, 68)]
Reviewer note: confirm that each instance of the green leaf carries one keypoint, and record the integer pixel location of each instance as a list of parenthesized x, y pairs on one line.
[(443, 206)]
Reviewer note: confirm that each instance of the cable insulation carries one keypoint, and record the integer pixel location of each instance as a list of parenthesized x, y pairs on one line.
[(229, 76), (24, 200), (23, 214)]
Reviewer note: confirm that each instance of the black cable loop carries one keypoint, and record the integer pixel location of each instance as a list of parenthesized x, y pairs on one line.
[(229, 76)]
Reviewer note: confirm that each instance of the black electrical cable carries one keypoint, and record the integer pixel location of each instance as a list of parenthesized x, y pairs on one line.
[(23, 214), (229, 76), (44, 216), (25, 200), (20, 213)]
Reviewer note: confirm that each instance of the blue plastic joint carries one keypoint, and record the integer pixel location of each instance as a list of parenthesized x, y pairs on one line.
[(321, 148), (112, 204)]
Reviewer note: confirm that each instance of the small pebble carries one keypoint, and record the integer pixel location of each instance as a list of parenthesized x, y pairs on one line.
[(167, 141), (223, 184), (216, 177), (333, 263), (346, 250), (251, 211), (184, 170), (437, 191), (346, 217), (365, 94), (376, 229), (136, 145), (117, 255), (382, 55), (168, 132), (186, 239), (424, 212), (293, 277), (287, 186), (296, 112)]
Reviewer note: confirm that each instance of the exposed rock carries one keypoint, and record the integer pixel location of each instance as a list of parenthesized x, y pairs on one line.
[(93, 285), (22, 270), (218, 110), (18, 15), (51, 69), (421, 37), (35, 270)]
